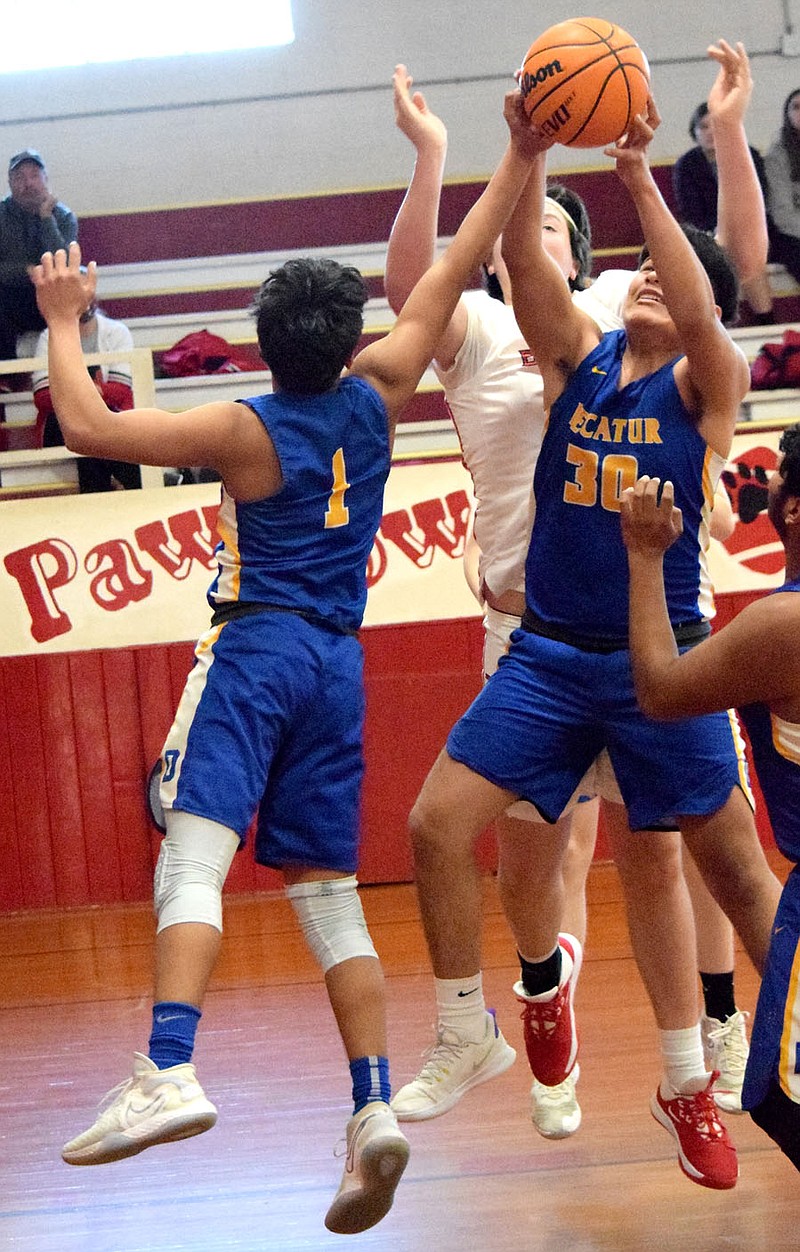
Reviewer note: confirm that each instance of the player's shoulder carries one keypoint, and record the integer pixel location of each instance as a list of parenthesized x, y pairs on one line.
[(776, 618), (479, 304), (604, 299), (607, 286), (489, 319)]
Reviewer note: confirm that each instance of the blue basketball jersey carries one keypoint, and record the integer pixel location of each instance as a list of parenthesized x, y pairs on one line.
[(775, 1042), (599, 439), (776, 753), (306, 548)]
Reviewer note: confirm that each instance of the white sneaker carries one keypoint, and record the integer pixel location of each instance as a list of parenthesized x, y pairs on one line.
[(453, 1066), (726, 1048), (154, 1106), (377, 1154), (555, 1111)]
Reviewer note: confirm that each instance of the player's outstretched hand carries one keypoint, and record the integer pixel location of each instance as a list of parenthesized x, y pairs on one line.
[(412, 115), (631, 151), (730, 95), (528, 140), (63, 289), (651, 522)]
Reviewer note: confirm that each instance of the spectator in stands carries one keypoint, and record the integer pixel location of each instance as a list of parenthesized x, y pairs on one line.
[(694, 181), (114, 382), (32, 221), (783, 179)]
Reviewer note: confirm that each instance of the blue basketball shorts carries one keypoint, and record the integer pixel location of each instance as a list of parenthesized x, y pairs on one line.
[(599, 780), (271, 722), (550, 709), (775, 1037)]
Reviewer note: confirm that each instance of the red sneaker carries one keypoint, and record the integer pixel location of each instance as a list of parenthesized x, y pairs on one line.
[(705, 1152), (551, 1036)]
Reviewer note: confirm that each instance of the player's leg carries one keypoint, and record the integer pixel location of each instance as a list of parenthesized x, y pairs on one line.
[(660, 925), (723, 1024), (163, 1102), (727, 852), (512, 736), (771, 1092), (329, 911), (548, 865), (660, 920), (309, 826), (469, 1047), (661, 928), (660, 768), (779, 1117), (453, 808), (669, 768), (576, 865), (205, 818)]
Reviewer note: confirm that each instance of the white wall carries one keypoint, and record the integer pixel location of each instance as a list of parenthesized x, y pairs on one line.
[(317, 115)]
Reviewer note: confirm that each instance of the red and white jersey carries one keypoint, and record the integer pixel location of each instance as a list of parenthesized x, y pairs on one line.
[(112, 336), (494, 394)]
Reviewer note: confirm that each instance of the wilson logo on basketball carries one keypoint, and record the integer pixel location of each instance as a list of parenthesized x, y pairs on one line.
[(529, 80)]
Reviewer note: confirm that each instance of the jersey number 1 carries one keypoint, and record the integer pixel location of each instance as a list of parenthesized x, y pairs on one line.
[(337, 514)]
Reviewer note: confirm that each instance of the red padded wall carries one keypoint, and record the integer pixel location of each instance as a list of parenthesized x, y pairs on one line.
[(79, 731)]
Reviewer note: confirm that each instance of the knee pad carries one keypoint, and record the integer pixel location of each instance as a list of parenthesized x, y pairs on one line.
[(193, 864), (330, 914)]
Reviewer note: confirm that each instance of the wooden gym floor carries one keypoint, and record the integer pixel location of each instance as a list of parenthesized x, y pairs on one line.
[(75, 988)]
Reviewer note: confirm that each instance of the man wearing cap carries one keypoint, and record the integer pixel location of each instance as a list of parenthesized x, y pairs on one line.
[(32, 221)]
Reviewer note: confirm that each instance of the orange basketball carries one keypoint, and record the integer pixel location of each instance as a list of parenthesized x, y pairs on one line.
[(584, 81)]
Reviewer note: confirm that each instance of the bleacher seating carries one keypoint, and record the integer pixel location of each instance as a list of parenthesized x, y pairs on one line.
[(169, 272)]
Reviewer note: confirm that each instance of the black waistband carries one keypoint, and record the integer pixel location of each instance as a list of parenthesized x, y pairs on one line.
[(234, 609), (686, 635)]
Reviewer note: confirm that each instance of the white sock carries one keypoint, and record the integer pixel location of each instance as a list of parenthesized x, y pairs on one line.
[(460, 1006), (684, 1064)]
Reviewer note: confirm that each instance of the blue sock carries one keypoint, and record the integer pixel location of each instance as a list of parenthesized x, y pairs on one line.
[(370, 1076), (172, 1037)]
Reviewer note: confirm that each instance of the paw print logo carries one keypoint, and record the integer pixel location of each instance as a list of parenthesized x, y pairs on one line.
[(754, 542), (747, 489)]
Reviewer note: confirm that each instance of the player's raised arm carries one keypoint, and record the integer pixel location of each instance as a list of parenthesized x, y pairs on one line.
[(224, 436), (412, 241), (741, 216), (714, 376), (395, 364), (559, 333)]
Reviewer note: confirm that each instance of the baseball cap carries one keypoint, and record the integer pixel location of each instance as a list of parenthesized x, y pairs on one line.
[(27, 154)]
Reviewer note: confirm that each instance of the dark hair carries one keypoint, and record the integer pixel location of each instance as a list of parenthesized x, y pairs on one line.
[(580, 241), (717, 265), (309, 315), (790, 465), (790, 137), (700, 112), (581, 237), (491, 284)]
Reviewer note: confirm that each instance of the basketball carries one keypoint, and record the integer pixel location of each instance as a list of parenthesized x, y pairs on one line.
[(583, 82)]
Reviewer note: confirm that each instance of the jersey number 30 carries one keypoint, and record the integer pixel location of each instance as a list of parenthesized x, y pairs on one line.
[(616, 472)]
